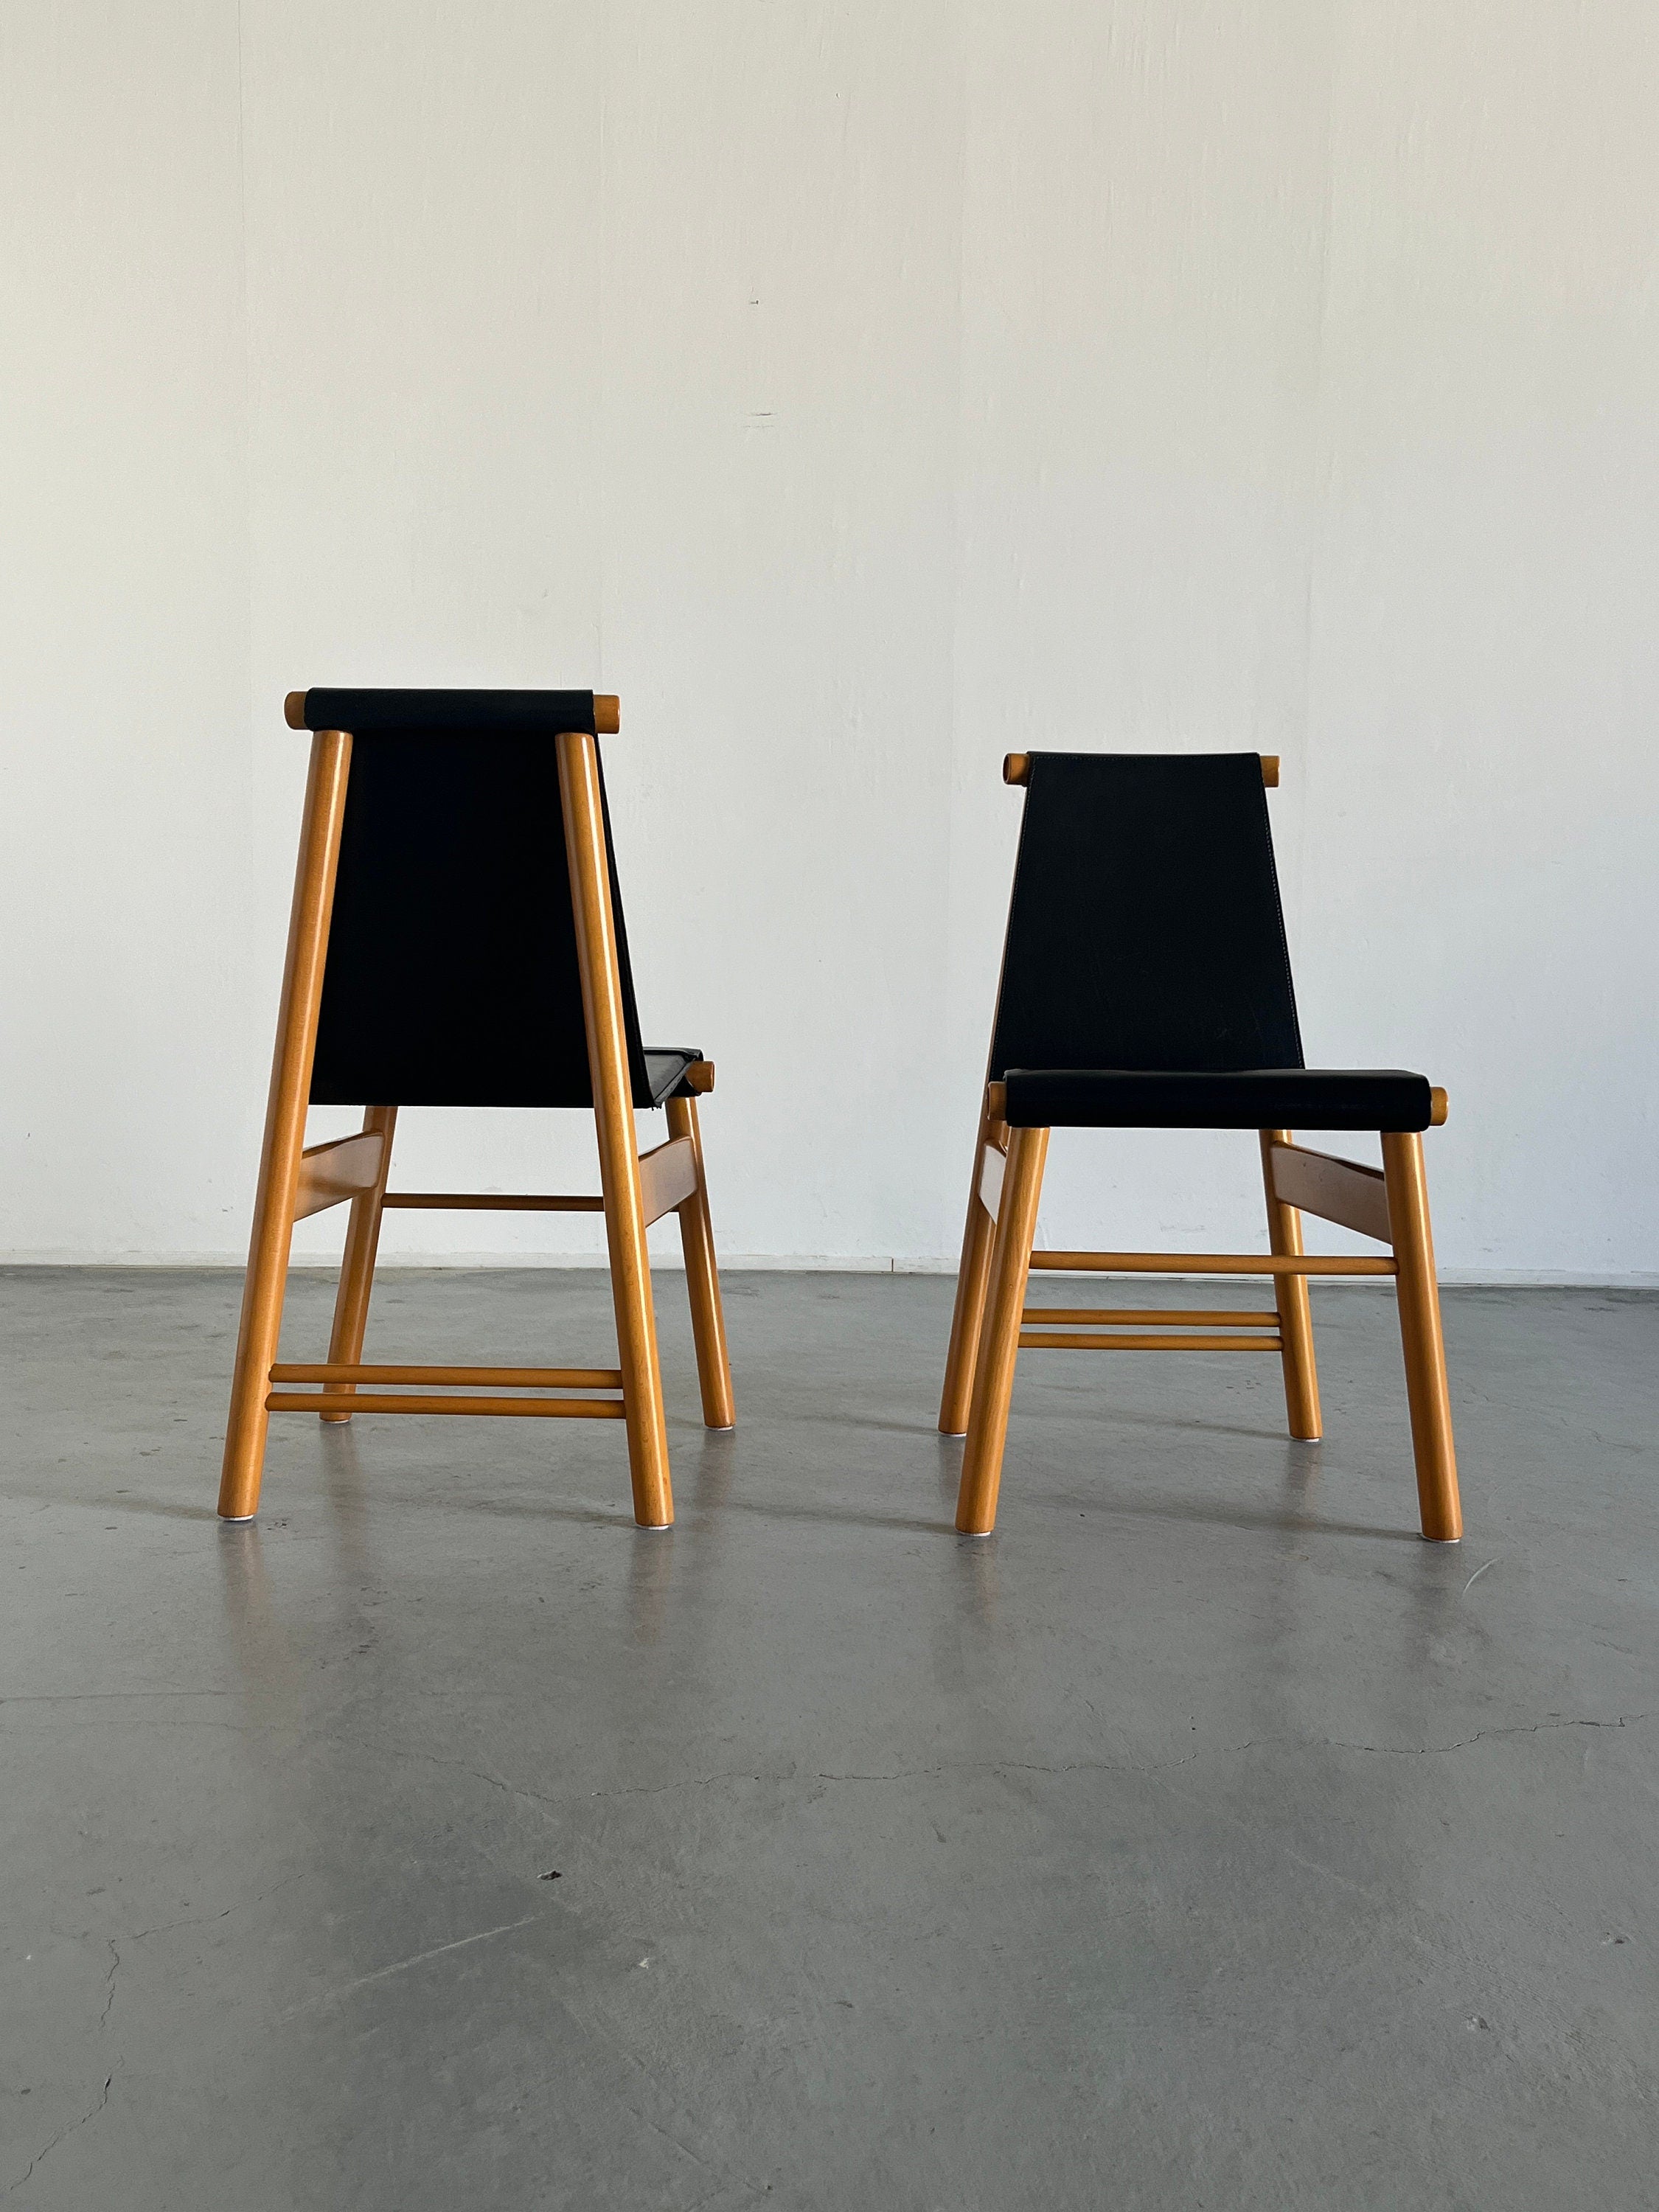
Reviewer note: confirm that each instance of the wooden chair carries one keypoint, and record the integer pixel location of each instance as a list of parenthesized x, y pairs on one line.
[(457, 939), (1145, 983)]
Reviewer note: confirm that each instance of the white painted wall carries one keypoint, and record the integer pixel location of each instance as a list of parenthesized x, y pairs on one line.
[(862, 392)]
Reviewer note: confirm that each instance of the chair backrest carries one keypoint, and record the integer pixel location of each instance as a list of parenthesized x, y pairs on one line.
[(451, 977), (1145, 929)]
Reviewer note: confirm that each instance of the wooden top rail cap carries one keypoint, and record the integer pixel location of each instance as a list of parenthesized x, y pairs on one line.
[(1017, 768), (607, 712)]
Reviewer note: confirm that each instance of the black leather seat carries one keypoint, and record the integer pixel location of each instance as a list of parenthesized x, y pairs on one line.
[(665, 1071), (1235, 1098)]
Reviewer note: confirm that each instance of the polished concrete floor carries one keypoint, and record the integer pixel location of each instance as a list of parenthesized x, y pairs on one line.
[(1203, 1838)]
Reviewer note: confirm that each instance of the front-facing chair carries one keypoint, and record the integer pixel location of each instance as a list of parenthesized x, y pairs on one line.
[(457, 939), (1146, 984)]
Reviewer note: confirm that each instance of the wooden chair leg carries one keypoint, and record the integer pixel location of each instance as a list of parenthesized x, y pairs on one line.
[(999, 1345), (285, 1125), (345, 1343), (703, 1280), (1295, 1309), (973, 1277), (613, 1117), (1420, 1337)]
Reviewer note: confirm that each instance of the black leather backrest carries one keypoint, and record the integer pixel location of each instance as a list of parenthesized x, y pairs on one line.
[(452, 976), (1144, 930)]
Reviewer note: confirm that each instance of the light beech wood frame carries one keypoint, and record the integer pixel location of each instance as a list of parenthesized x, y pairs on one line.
[(992, 1324), (295, 1181)]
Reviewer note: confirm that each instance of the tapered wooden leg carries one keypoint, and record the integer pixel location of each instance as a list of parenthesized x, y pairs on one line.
[(703, 1280), (345, 1343), (973, 1275), (285, 1124), (1295, 1310), (1420, 1337), (613, 1118), (999, 1345)]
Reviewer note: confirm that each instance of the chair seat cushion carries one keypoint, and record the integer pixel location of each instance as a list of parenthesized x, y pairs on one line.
[(1240, 1098), (665, 1068)]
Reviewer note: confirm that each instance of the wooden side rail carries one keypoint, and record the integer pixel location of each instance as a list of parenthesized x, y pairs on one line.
[(1150, 1317), (1341, 1191), (378, 1402), (1208, 1263), (516, 1379), (346, 1396), (668, 1177), (1054, 1339), (1146, 1329), (330, 1174)]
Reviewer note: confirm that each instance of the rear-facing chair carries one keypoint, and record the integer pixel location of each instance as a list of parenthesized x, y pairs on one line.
[(457, 939), (1146, 984)]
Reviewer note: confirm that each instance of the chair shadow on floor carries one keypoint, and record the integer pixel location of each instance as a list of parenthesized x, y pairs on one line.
[(1269, 1520), (125, 1502)]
